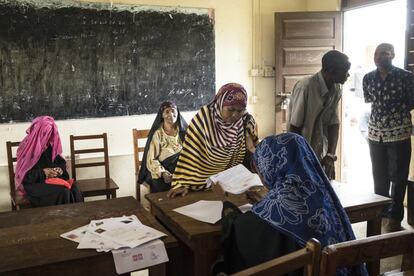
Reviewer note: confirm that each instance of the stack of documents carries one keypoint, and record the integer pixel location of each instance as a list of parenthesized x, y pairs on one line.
[(133, 244)]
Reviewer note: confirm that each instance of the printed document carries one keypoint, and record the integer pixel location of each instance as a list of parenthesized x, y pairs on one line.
[(204, 210), (236, 180), (146, 255)]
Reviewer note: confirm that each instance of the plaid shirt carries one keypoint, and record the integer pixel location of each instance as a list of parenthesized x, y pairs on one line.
[(392, 99)]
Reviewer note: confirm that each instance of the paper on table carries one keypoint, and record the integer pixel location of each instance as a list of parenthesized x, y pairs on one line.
[(129, 233), (146, 255), (204, 210), (236, 180), (93, 241), (75, 235)]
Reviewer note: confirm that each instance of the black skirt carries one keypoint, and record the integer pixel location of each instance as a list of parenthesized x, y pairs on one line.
[(248, 240)]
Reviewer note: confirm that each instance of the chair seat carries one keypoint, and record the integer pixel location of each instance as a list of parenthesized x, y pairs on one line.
[(20, 201), (97, 186)]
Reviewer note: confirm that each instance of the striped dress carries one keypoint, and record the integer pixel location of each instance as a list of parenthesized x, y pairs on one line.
[(206, 152)]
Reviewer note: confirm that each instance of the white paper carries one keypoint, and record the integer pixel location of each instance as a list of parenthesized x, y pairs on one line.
[(125, 232), (204, 210), (75, 235), (236, 180), (146, 255), (246, 207), (93, 241)]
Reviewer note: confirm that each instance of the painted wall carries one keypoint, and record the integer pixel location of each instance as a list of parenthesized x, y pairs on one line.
[(238, 23)]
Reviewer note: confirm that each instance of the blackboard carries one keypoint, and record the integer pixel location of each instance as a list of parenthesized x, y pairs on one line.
[(75, 60)]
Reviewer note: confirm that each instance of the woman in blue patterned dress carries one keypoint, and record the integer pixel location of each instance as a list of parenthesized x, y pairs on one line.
[(300, 204)]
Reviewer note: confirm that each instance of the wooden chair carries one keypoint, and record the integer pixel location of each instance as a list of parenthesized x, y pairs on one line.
[(307, 257), (139, 140), (96, 186), (17, 201), (370, 249)]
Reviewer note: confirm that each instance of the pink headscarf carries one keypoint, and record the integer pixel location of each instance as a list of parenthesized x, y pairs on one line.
[(41, 134), (230, 94)]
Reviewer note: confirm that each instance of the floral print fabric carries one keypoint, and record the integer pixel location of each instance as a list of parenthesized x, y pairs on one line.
[(301, 202), (392, 99)]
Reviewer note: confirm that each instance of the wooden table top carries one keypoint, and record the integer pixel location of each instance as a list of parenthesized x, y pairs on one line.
[(352, 202), (31, 237)]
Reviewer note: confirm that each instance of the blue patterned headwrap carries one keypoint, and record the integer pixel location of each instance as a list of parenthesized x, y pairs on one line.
[(301, 202)]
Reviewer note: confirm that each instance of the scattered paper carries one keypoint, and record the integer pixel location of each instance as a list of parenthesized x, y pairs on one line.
[(93, 241), (149, 254), (134, 245), (236, 180), (75, 235), (204, 210)]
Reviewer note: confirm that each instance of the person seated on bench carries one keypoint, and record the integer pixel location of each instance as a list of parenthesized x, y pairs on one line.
[(299, 204), (220, 136), (41, 172), (163, 147)]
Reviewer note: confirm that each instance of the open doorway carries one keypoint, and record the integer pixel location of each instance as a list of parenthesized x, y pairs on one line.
[(364, 29)]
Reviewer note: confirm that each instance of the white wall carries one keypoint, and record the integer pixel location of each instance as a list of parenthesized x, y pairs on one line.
[(234, 34)]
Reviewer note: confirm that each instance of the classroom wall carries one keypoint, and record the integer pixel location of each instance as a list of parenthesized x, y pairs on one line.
[(244, 31)]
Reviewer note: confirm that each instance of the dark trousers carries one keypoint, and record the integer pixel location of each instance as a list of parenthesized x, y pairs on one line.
[(390, 167)]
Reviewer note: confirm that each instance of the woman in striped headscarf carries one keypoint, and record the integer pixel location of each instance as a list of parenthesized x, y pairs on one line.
[(220, 136)]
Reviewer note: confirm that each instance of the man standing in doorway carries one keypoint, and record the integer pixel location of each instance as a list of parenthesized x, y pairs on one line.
[(390, 90), (313, 108)]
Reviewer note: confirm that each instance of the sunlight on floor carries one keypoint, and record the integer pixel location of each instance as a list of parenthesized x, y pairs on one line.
[(364, 29)]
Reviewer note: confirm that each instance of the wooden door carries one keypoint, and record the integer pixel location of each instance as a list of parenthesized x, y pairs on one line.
[(409, 37), (302, 38)]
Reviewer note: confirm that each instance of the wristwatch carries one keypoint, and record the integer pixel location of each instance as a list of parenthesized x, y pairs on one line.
[(332, 156)]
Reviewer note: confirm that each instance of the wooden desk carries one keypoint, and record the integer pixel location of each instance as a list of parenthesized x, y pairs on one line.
[(203, 239), (30, 243)]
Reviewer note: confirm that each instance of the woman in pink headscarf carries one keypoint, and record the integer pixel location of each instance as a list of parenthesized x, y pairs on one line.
[(41, 172)]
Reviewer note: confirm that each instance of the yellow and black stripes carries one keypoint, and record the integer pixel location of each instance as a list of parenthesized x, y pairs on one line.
[(204, 154)]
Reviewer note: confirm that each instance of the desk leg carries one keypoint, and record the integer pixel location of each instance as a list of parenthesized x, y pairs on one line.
[(374, 228), (158, 270), (410, 203), (210, 251)]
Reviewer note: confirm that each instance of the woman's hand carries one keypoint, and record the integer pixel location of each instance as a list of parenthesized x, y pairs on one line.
[(167, 176), (250, 145), (255, 194), (179, 191), (216, 188), (58, 170), (50, 172)]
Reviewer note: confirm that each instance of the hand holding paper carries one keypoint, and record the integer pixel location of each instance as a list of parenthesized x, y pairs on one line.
[(236, 180)]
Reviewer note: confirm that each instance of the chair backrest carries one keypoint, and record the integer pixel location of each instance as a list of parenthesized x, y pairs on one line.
[(97, 149), (369, 249), (11, 159), (139, 140), (307, 257)]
